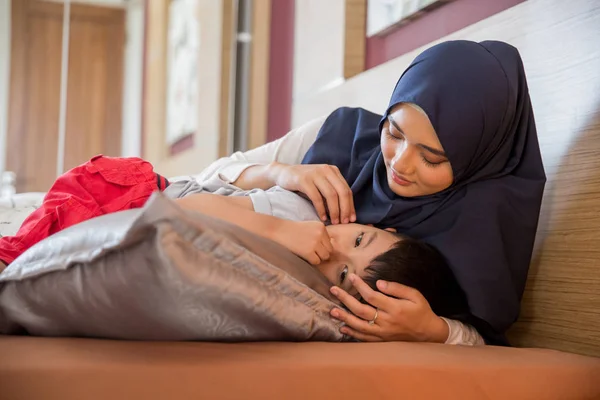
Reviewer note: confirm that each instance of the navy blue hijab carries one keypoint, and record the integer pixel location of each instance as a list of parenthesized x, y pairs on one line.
[(476, 97)]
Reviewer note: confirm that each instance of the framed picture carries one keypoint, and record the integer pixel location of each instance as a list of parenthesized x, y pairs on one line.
[(384, 14), (182, 70)]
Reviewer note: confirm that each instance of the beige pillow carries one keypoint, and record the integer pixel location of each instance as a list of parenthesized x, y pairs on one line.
[(161, 273)]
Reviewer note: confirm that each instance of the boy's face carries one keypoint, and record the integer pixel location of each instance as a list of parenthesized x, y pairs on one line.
[(354, 247)]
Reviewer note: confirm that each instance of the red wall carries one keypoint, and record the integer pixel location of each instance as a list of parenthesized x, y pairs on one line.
[(281, 68), (430, 26)]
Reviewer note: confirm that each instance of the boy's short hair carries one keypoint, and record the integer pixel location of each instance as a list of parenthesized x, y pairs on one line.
[(417, 264)]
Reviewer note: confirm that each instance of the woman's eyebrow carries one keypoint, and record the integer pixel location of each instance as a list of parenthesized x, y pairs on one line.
[(434, 151), (395, 124), (430, 149)]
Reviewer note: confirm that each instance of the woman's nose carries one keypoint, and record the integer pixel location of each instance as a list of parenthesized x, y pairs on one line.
[(403, 161)]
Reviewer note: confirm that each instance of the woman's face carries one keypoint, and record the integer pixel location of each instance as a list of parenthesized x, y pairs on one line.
[(415, 161)]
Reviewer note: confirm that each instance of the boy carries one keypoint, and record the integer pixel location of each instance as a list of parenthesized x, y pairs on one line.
[(105, 185)]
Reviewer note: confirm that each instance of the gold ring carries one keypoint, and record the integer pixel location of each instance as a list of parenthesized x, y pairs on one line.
[(372, 322)]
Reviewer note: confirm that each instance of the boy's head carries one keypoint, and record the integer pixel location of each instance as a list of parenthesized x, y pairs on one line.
[(375, 254)]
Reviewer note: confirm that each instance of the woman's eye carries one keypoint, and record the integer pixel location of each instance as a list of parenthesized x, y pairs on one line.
[(343, 275), (389, 133), (432, 163), (359, 239)]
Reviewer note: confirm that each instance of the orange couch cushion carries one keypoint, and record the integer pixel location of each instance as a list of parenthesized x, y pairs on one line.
[(36, 368)]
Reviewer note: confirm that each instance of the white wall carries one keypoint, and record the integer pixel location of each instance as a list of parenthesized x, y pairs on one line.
[(4, 76), (131, 137), (318, 46)]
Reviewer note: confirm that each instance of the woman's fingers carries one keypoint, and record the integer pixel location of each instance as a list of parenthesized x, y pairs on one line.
[(326, 188), (376, 299), (347, 211), (330, 194), (313, 193), (364, 311), (363, 337), (400, 291), (352, 321)]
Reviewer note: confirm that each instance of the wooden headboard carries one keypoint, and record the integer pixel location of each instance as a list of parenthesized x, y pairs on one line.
[(560, 45)]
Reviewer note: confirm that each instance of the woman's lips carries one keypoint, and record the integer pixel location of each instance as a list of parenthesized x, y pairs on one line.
[(399, 179)]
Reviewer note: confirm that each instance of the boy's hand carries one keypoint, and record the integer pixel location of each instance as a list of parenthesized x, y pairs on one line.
[(308, 239)]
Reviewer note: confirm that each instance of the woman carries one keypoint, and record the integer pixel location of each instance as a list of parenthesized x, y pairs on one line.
[(454, 161)]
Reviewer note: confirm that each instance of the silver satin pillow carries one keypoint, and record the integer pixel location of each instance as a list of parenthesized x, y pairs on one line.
[(161, 273)]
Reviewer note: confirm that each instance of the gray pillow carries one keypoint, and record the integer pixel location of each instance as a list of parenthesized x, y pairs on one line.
[(161, 273)]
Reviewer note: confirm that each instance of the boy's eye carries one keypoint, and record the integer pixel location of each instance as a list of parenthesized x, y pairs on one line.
[(343, 275), (359, 239)]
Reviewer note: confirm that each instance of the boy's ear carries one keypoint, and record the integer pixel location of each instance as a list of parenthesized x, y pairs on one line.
[(390, 230)]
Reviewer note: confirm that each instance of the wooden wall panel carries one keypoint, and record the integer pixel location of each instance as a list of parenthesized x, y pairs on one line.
[(355, 37), (259, 73), (228, 45), (95, 85), (155, 81), (94, 92), (32, 139)]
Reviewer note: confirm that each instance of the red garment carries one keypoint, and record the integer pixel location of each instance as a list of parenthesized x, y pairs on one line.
[(101, 186)]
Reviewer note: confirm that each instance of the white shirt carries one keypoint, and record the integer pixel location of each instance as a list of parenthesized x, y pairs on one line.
[(275, 201), (291, 149)]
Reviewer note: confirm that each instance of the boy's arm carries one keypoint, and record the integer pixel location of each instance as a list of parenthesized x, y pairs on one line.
[(236, 210), (308, 240)]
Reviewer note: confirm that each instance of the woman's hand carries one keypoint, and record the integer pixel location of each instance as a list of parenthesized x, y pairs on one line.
[(307, 239), (319, 182), (403, 314)]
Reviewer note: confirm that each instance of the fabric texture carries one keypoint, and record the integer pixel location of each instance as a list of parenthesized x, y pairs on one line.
[(275, 201), (476, 97), (14, 212), (462, 334), (160, 273), (100, 186)]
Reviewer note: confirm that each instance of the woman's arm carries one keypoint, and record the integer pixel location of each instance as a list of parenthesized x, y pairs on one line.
[(403, 315), (275, 164), (462, 334), (247, 170)]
